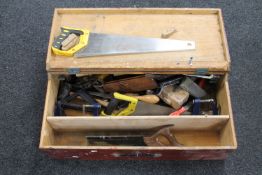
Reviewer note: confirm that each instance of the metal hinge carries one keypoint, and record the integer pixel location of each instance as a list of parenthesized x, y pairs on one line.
[(202, 71), (73, 70)]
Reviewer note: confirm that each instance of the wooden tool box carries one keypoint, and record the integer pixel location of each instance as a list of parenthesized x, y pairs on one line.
[(202, 136)]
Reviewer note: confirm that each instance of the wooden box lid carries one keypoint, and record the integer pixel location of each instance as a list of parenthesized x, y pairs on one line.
[(204, 26)]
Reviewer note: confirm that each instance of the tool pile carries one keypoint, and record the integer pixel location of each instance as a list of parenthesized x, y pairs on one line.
[(137, 95)]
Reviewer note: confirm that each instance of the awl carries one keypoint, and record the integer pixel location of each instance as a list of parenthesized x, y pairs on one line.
[(98, 44)]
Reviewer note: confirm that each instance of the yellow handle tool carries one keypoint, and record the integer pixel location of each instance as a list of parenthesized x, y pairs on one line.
[(130, 108), (65, 32)]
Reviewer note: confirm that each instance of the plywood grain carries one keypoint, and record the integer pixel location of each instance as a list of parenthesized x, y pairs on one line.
[(205, 27), (136, 122)]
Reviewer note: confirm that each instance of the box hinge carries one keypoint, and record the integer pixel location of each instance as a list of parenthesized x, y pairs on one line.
[(73, 70), (201, 71)]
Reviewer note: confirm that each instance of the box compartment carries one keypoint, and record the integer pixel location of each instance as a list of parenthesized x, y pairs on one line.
[(193, 132)]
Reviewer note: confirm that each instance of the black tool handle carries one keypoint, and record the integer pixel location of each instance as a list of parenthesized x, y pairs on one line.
[(112, 105), (85, 96)]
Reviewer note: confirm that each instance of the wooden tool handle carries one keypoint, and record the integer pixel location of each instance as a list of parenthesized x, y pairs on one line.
[(153, 99), (148, 98), (102, 102), (168, 138), (70, 41)]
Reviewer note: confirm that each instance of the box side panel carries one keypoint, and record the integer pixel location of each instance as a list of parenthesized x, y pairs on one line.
[(89, 154)]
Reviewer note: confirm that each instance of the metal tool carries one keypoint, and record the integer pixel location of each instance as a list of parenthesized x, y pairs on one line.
[(191, 87), (190, 62), (114, 100), (92, 105), (173, 96), (143, 108), (197, 104), (149, 137), (97, 44), (174, 81), (135, 107), (212, 76)]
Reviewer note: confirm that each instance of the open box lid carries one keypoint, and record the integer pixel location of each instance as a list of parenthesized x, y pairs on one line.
[(204, 26)]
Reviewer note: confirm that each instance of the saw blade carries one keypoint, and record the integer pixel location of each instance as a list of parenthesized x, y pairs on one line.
[(118, 132), (143, 108), (106, 44)]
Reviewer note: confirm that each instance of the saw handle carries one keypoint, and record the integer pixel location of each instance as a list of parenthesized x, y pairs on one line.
[(65, 32), (131, 106), (117, 97), (166, 133)]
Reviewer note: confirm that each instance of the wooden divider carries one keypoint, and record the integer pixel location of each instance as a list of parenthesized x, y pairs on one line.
[(137, 122)]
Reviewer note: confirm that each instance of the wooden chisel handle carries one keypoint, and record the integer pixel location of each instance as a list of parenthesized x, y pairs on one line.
[(148, 98), (153, 99), (102, 102)]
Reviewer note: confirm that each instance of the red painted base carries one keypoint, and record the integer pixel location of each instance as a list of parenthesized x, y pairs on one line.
[(102, 154)]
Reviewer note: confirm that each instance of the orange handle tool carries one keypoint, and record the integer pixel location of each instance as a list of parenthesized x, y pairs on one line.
[(179, 111)]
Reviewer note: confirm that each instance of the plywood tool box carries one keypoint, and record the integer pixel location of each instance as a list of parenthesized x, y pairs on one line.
[(202, 136)]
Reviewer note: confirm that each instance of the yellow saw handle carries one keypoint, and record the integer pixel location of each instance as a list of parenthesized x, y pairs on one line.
[(65, 32), (131, 106)]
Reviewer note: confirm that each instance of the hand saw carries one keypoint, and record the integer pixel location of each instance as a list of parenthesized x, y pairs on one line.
[(98, 44), (137, 107), (158, 136)]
